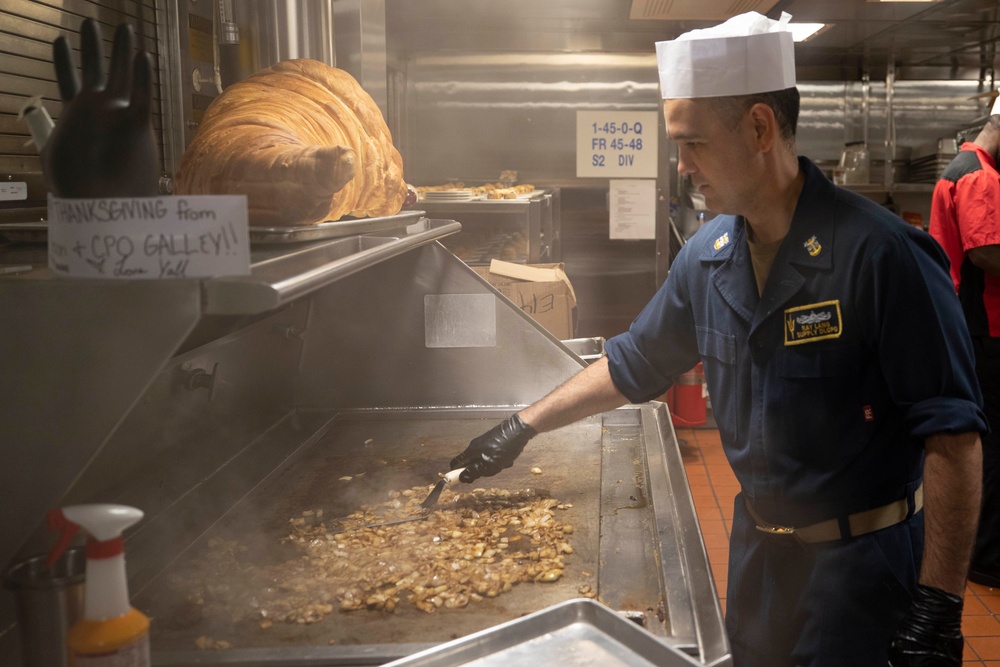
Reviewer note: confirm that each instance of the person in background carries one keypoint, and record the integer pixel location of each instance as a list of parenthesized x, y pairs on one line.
[(840, 369), (965, 220)]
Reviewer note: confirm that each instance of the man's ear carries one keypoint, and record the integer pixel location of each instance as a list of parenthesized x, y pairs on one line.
[(765, 126)]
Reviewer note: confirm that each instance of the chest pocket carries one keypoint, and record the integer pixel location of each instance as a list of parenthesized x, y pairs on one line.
[(718, 353), (717, 345), (819, 399)]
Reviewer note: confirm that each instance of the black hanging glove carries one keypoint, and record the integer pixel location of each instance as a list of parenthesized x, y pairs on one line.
[(103, 144), (931, 633), (495, 450)]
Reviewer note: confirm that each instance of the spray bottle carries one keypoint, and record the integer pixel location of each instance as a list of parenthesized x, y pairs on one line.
[(111, 632)]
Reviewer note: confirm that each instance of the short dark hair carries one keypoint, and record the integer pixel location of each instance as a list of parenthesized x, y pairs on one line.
[(784, 104)]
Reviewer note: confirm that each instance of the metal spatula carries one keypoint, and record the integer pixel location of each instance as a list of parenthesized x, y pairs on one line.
[(435, 494), (395, 522)]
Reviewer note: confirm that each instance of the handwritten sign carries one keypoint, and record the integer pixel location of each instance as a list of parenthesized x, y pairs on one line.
[(150, 238), (616, 144), (633, 209)]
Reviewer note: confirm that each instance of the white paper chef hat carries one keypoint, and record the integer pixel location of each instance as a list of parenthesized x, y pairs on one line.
[(996, 106), (747, 54)]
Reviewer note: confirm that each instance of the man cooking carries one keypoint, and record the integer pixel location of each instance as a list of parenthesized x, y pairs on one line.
[(840, 369)]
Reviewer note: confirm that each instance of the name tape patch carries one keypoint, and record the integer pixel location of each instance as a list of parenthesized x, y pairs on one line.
[(816, 321)]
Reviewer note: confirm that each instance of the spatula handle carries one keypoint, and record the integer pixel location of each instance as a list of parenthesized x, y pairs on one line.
[(451, 476)]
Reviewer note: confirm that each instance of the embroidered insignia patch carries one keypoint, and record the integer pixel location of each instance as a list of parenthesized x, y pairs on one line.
[(817, 321), (813, 246), (721, 242)]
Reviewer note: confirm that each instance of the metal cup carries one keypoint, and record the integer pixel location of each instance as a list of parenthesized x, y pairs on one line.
[(49, 601)]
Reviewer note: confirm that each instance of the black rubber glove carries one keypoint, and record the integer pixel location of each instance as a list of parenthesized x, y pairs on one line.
[(494, 450), (103, 144), (931, 632)]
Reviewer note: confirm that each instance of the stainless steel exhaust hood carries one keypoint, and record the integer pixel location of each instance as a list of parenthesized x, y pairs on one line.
[(706, 10)]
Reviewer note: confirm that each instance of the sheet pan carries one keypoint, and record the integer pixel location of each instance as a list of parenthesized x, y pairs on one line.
[(576, 633)]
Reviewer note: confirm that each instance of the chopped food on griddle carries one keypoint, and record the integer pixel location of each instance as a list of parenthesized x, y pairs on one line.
[(474, 545)]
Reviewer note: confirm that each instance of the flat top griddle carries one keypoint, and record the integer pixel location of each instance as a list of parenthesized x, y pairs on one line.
[(379, 455)]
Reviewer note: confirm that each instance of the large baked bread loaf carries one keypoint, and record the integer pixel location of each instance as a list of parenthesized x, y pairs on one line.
[(303, 141)]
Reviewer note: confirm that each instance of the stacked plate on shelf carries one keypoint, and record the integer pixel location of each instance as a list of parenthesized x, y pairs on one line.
[(929, 160), (447, 195)]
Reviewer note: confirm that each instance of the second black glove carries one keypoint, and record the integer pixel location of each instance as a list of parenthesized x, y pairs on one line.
[(931, 633), (495, 450)]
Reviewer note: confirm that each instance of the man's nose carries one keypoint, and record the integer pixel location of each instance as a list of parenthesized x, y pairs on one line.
[(685, 165)]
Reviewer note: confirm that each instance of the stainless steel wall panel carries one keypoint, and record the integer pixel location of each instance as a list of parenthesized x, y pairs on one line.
[(832, 114), (74, 389), (361, 45), (398, 369), (179, 434), (471, 117)]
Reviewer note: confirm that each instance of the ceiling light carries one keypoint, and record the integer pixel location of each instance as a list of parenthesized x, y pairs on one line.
[(803, 31)]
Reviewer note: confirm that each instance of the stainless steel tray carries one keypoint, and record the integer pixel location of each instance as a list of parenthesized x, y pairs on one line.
[(576, 632), (331, 230), (37, 232)]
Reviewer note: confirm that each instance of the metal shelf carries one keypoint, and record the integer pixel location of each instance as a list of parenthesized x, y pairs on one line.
[(905, 188), (287, 275), (536, 217)]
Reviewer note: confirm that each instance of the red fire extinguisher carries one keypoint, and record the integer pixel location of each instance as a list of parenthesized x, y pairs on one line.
[(689, 405)]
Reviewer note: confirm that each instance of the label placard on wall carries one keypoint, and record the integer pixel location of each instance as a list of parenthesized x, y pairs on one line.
[(616, 144), (633, 209), (151, 238), (13, 190)]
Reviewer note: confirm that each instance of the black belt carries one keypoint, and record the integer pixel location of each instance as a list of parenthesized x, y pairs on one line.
[(856, 524)]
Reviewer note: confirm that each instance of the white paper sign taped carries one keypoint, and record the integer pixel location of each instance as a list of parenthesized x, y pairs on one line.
[(616, 144), (13, 190), (151, 238), (633, 209)]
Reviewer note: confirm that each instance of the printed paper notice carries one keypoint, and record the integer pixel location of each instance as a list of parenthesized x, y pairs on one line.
[(616, 144), (151, 238), (13, 190), (633, 209)]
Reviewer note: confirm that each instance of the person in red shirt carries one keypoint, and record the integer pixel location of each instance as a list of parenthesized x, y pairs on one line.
[(965, 220)]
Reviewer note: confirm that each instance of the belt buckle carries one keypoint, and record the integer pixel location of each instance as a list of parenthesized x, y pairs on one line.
[(775, 530)]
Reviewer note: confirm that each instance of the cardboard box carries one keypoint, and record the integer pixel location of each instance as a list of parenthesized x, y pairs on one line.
[(543, 291)]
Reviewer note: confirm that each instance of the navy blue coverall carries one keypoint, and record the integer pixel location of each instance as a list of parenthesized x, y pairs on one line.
[(824, 388)]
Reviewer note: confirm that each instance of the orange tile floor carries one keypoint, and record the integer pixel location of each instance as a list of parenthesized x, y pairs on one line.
[(713, 487)]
